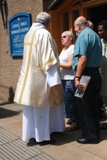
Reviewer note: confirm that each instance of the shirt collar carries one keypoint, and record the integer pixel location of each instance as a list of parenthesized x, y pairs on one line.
[(38, 25)]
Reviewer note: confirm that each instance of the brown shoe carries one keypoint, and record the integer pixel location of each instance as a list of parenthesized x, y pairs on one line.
[(69, 121), (74, 126)]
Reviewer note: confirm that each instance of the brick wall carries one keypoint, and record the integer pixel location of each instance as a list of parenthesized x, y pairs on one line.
[(9, 67)]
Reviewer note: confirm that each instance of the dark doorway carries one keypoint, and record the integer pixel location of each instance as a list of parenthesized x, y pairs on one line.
[(98, 14)]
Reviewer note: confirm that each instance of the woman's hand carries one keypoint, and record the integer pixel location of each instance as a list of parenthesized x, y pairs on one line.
[(68, 64)]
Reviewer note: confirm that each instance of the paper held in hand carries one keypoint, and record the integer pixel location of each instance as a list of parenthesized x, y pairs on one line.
[(84, 80)]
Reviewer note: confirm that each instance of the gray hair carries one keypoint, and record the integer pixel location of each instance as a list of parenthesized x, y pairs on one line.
[(68, 33), (43, 18)]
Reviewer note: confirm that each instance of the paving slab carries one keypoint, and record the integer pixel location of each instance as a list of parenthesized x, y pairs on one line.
[(13, 148)]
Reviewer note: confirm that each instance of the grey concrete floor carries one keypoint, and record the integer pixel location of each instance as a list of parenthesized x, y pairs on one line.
[(65, 148)]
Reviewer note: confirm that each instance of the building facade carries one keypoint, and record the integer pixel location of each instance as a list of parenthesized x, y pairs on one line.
[(63, 13), (10, 66)]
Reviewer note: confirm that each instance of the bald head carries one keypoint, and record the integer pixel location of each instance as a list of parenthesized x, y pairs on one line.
[(82, 21), (80, 24)]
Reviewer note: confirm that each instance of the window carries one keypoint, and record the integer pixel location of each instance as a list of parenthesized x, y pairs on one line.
[(75, 14), (66, 21)]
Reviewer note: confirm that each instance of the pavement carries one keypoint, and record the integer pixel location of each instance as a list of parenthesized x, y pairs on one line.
[(66, 148)]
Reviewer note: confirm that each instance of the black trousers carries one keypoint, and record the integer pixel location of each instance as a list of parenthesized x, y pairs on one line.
[(88, 106)]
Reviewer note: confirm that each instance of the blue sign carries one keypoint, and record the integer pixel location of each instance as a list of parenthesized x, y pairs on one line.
[(18, 26)]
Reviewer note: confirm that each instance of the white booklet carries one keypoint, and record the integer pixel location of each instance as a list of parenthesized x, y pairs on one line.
[(84, 80)]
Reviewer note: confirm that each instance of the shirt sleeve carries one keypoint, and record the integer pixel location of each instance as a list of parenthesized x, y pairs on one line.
[(52, 76), (81, 46)]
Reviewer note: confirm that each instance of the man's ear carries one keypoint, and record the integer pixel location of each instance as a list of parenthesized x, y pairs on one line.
[(71, 39)]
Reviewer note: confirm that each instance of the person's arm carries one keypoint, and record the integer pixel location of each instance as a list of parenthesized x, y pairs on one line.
[(68, 64), (80, 67)]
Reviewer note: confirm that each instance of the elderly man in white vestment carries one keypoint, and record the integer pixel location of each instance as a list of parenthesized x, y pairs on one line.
[(39, 87)]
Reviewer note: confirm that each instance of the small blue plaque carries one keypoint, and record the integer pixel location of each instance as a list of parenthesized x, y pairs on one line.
[(18, 26)]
